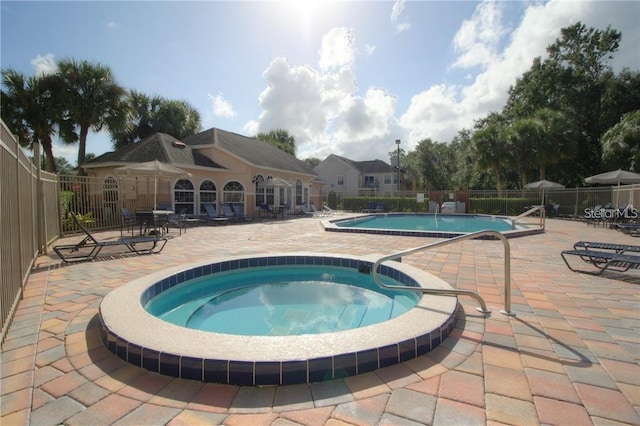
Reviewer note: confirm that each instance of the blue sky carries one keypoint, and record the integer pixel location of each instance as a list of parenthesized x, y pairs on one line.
[(342, 77)]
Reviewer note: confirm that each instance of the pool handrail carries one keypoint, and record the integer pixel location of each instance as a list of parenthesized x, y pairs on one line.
[(532, 210), (456, 292)]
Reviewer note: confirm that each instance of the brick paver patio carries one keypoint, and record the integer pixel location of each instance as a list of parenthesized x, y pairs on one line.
[(570, 355)]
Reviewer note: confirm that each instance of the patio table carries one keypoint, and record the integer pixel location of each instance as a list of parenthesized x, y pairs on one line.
[(153, 220)]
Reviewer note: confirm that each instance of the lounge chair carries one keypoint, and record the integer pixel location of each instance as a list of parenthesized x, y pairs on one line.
[(379, 208), (238, 209), (371, 207), (313, 212), (329, 211), (227, 212), (90, 247), (632, 229), (617, 248), (212, 214), (603, 256)]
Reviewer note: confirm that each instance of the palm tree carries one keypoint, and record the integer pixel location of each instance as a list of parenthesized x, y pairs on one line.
[(30, 111), (524, 138), (558, 142), (176, 118), (491, 151), (138, 122), (622, 142), (148, 115), (92, 98), (280, 138)]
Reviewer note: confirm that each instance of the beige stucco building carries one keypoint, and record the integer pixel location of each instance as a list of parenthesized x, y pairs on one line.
[(222, 167)]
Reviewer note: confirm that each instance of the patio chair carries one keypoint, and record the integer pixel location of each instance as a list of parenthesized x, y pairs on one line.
[(212, 214), (90, 247), (127, 220), (177, 221), (267, 211), (379, 208)]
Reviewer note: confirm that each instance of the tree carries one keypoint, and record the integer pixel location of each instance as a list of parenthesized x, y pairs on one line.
[(572, 80), (557, 140), (176, 118), (148, 115), (31, 112), (491, 148), (464, 160), (436, 164), (93, 101), (524, 138), (621, 143), (312, 161), (582, 54), (281, 139)]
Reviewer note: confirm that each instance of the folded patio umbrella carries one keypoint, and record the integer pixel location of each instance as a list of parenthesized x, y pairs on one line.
[(154, 169), (615, 177), (543, 185)]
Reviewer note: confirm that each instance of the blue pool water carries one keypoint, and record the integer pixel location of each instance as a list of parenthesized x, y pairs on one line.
[(281, 301), (429, 222)]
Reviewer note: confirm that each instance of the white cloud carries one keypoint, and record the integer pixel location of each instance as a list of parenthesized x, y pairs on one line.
[(111, 25), (368, 50), (43, 65), (326, 111), (396, 11), (222, 107), (322, 110), (478, 38), (440, 111), (337, 49)]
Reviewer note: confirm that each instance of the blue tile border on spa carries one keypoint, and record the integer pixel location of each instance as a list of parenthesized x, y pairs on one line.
[(297, 371)]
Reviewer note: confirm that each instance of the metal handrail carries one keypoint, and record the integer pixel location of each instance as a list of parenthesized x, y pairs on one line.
[(475, 295), (532, 210)]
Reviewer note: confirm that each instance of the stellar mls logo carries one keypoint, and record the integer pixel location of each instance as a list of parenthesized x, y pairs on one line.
[(629, 212)]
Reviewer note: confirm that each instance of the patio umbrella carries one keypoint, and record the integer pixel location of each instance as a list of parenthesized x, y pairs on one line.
[(615, 177), (544, 185), (154, 169)]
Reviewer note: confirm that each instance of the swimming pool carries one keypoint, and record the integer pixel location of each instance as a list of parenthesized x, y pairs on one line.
[(281, 301), (429, 225), (144, 340)]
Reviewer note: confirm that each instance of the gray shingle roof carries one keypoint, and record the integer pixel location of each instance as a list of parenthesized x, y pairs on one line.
[(370, 166), (159, 146), (254, 151)]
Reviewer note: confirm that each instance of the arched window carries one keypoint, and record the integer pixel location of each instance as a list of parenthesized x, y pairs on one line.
[(233, 193), (184, 196), (208, 194), (110, 196)]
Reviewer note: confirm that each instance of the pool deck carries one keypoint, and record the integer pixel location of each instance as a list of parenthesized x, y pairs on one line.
[(569, 356)]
